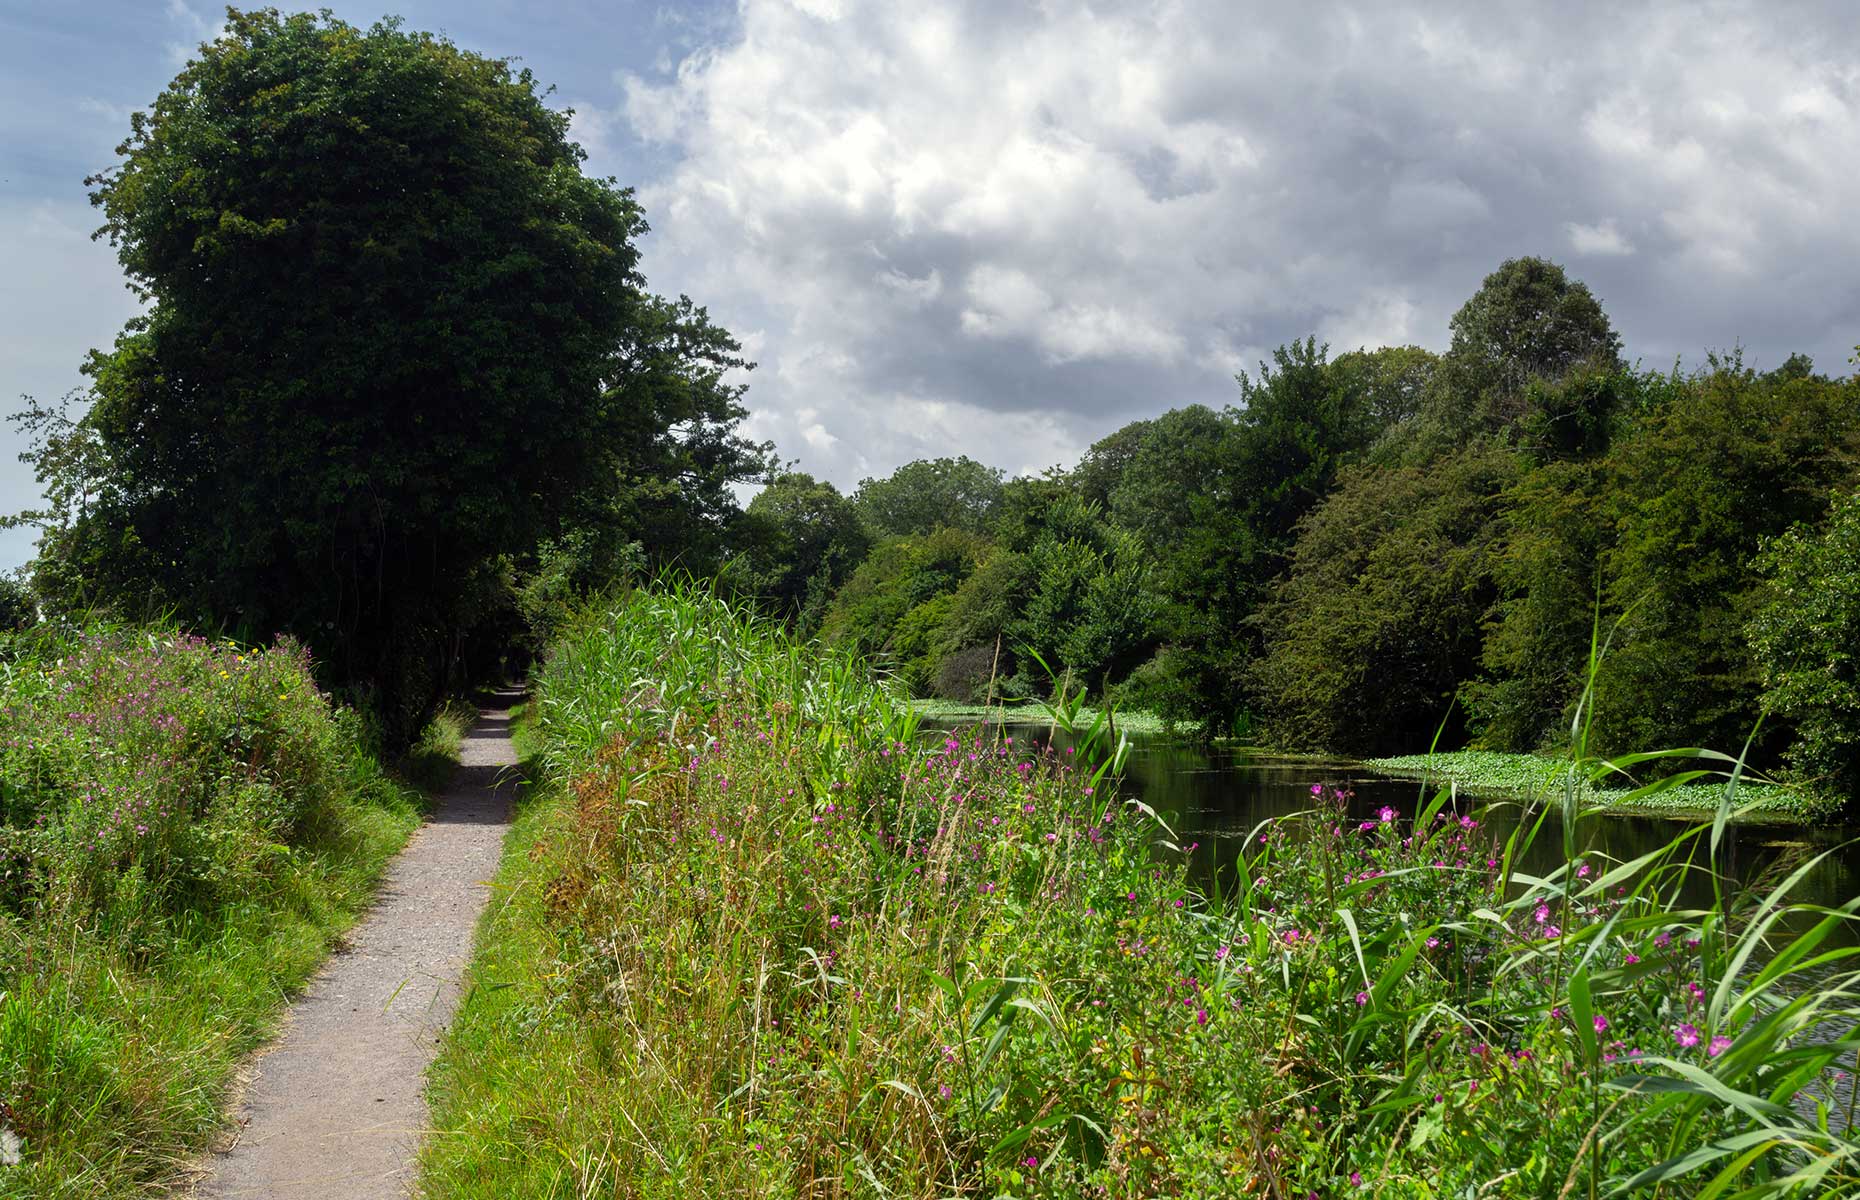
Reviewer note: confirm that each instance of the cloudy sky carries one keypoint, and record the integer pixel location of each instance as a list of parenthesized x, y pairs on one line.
[(1004, 229)]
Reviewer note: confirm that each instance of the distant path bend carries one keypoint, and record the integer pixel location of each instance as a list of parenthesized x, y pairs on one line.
[(336, 1108)]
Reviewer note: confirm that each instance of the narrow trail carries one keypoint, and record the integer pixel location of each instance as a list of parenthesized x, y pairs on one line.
[(336, 1109)]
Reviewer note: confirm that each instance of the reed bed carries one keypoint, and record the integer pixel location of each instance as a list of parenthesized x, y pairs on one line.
[(758, 937)]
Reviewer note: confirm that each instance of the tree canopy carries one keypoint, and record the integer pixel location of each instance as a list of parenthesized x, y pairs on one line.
[(394, 334), (931, 493)]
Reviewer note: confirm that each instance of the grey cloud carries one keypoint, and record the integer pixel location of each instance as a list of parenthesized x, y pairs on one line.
[(1004, 229), (1122, 206)]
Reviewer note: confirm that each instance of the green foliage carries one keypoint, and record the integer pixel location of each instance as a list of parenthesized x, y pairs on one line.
[(1527, 322), (1528, 325), (797, 543), (1545, 566), (394, 334), (1806, 639), (1388, 384), (1100, 470), (1690, 497), (1377, 623), (793, 949), (894, 607), (1184, 498), (1088, 611), (923, 496), (18, 608), (185, 827)]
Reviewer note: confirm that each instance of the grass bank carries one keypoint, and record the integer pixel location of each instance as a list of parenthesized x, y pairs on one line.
[(186, 827), (1536, 776), (758, 938)]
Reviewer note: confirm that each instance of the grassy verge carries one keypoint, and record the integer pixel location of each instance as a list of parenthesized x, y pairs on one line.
[(1525, 776), (757, 938), (185, 830)]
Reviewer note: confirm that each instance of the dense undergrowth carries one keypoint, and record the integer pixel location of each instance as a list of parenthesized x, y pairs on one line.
[(185, 828), (759, 938)]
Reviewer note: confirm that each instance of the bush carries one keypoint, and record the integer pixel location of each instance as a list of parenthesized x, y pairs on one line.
[(1806, 638), (184, 827)]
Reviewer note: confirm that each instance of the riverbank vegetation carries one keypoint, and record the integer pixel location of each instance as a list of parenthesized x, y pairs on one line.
[(1361, 546), (186, 827), (1369, 548), (1490, 773), (773, 944)]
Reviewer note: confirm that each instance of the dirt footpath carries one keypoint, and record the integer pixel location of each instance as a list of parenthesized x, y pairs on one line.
[(335, 1108)]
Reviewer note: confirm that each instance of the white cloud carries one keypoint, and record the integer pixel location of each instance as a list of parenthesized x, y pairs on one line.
[(1601, 239), (194, 27), (1051, 219)]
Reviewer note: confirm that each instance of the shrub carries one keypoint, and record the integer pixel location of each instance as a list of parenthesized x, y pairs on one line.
[(184, 827), (1806, 638)]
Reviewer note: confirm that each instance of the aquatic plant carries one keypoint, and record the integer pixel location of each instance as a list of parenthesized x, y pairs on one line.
[(774, 944)]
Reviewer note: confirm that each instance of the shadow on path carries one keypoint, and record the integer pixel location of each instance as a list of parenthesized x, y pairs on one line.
[(335, 1107)]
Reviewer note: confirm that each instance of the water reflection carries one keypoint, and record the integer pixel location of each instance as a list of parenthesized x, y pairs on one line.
[(1213, 796)]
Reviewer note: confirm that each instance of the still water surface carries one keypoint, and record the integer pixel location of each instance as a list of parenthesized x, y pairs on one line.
[(1215, 795)]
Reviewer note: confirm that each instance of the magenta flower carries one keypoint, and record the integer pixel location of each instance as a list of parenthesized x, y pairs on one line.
[(1718, 1046), (1601, 1023), (1687, 1035)]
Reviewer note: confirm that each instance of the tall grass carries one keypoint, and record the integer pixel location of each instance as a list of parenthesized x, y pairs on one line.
[(762, 940), (185, 827)]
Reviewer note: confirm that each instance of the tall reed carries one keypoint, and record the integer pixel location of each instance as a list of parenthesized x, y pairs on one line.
[(778, 944)]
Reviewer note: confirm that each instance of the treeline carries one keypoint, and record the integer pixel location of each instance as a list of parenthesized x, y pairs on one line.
[(1365, 546), (401, 392)]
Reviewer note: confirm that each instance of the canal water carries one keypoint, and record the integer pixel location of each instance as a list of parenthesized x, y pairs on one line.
[(1211, 796)]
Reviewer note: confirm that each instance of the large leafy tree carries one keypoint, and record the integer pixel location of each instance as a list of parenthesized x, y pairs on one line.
[(799, 541), (931, 493), (1528, 325), (1691, 495), (1377, 624), (1806, 638), (394, 332)]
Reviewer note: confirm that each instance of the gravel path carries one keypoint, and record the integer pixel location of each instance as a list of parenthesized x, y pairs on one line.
[(336, 1109)]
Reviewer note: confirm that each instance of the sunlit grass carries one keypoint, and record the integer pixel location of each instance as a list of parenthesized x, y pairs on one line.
[(187, 828), (757, 939)]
